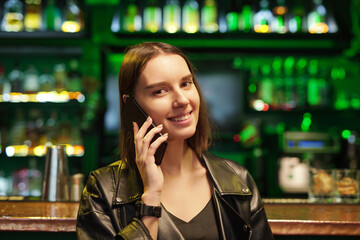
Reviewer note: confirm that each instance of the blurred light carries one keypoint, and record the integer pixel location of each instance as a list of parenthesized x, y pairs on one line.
[(266, 107), (318, 28), (281, 10), (252, 87), (17, 150), (236, 138), (258, 105), (346, 134), (70, 26), (261, 28), (39, 150)]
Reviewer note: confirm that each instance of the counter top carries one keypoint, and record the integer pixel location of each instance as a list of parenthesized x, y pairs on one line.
[(284, 218)]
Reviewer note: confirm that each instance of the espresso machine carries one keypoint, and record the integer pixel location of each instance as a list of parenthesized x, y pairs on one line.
[(302, 151)]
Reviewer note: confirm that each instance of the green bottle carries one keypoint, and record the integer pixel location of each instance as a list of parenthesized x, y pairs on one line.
[(172, 17), (52, 17), (191, 17), (209, 17)]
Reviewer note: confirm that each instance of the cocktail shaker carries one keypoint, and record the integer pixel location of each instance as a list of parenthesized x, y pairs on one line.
[(55, 185)]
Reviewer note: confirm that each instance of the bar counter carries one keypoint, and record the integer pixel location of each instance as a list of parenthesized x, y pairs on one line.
[(285, 218)]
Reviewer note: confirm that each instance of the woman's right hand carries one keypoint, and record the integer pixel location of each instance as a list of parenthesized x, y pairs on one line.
[(151, 173)]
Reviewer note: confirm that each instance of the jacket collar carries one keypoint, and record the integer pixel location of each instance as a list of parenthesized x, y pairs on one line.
[(224, 178), (129, 185)]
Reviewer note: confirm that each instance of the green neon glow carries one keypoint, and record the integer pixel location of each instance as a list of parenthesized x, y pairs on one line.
[(252, 88), (346, 134)]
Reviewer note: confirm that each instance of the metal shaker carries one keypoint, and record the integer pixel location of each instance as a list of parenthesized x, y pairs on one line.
[(55, 185)]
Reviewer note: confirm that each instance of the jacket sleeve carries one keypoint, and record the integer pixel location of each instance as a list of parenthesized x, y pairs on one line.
[(98, 220)]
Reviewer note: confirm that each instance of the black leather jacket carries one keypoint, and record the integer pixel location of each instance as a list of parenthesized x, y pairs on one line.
[(107, 204)]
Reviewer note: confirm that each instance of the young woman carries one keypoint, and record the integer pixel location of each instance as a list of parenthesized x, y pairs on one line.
[(192, 194)]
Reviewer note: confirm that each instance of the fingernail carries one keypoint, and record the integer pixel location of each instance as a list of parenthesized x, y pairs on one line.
[(148, 118), (160, 126), (165, 134)]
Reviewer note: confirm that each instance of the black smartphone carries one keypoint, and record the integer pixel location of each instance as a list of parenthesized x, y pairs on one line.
[(134, 113)]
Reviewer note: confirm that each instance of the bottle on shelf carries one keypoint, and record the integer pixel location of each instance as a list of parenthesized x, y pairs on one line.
[(301, 82), (31, 80), (280, 21), (152, 17), (33, 15), (314, 92), (190, 17), (232, 17), (72, 17), (278, 78), (289, 84), (317, 18), (209, 17), (132, 18), (74, 82), (297, 18), (2, 80), (16, 79), (52, 17), (246, 17), (172, 16), (13, 16), (266, 85), (47, 80), (34, 179), (60, 76), (263, 18)]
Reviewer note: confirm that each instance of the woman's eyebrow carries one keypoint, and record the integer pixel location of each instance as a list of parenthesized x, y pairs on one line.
[(158, 84)]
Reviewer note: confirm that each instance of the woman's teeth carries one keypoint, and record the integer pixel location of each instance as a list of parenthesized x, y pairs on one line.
[(182, 118)]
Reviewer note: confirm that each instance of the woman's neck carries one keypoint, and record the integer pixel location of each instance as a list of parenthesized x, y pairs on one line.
[(179, 158)]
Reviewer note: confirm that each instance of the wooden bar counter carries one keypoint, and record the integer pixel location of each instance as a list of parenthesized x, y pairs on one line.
[(284, 218)]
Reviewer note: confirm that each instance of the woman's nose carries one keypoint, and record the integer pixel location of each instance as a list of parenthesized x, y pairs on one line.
[(180, 99)]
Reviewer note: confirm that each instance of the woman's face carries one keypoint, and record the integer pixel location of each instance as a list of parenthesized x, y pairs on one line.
[(165, 90)]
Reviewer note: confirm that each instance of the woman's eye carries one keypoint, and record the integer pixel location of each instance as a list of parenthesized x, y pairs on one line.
[(158, 92), (187, 83)]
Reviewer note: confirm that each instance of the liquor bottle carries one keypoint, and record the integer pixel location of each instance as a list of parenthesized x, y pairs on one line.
[(74, 83), (297, 19), (209, 17), (16, 79), (52, 17), (232, 17), (314, 96), (263, 18), (301, 82), (60, 76), (246, 17), (13, 17), (172, 19), (32, 18), (47, 81), (132, 18), (152, 17), (278, 79), (317, 18), (2, 81), (289, 81), (73, 19), (266, 85), (35, 179), (190, 17), (280, 21), (31, 80)]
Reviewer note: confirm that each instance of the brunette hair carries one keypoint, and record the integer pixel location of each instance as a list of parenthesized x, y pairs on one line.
[(134, 62)]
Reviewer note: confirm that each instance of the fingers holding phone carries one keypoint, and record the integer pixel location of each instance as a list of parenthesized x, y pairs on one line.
[(145, 150)]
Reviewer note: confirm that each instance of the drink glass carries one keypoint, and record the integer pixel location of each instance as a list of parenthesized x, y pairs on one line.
[(322, 185), (346, 186)]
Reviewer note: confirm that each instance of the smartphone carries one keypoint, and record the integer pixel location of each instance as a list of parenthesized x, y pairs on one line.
[(134, 113)]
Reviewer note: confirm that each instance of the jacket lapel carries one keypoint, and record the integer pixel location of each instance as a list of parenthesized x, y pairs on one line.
[(233, 220)]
